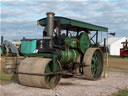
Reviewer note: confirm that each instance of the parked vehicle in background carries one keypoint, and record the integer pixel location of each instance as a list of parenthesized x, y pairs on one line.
[(124, 50)]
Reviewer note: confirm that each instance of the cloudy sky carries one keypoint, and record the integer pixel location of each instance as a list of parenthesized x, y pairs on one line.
[(18, 17)]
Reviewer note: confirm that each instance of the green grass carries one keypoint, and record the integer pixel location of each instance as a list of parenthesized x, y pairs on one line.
[(123, 92), (126, 58), (113, 56), (7, 78), (109, 68)]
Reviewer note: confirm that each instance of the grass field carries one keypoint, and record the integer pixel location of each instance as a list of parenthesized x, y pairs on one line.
[(123, 92), (117, 64), (7, 78)]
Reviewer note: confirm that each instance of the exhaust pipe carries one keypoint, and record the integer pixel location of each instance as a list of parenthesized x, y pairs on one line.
[(50, 23), (50, 27)]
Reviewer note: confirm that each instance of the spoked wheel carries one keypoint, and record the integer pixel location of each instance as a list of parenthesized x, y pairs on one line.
[(93, 60), (38, 66), (52, 80)]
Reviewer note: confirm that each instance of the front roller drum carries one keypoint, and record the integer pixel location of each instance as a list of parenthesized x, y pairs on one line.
[(93, 61), (38, 65)]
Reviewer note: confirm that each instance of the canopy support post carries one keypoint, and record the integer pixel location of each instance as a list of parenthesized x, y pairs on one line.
[(97, 38)]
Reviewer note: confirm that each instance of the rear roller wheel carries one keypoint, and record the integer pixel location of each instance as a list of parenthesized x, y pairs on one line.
[(93, 60), (40, 66)]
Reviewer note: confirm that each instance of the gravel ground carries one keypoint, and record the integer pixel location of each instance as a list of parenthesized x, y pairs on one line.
[(72, 87)]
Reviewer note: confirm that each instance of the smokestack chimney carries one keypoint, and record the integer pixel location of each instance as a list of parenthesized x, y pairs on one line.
[(50, 26), (50, 23)]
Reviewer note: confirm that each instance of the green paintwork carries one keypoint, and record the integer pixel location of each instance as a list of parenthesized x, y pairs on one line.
[(67, 41), (84, 42), (48, 69), (0, 50), (41, 55), (68, 55), (28, 46), (54, 60), (70, 24), (72, 42), (52, 79), (94, 64)]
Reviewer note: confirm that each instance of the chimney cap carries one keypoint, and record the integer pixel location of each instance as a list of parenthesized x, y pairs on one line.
[(50, 13)]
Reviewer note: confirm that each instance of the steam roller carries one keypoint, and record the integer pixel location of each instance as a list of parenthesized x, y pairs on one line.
[(35, 65), (66, 49)]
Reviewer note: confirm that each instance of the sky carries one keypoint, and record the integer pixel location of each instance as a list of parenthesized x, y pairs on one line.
[(18, 18)]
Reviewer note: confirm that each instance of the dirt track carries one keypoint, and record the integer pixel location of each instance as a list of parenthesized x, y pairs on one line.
[(119, 63), (72, 87), (77, 87)]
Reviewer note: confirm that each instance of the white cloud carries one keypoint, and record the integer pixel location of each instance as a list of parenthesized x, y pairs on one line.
[(21, 15)]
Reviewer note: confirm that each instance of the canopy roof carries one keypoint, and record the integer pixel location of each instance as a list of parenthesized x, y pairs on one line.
[(73, 25)]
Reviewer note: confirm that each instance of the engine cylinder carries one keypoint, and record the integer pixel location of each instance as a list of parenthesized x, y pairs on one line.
[(68, 55)]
